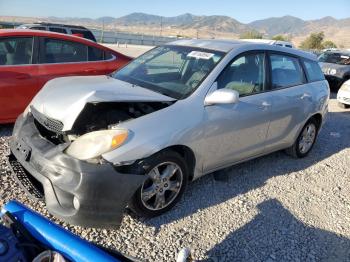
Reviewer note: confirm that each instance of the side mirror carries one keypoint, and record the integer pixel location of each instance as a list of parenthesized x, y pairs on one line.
[(222, 96)]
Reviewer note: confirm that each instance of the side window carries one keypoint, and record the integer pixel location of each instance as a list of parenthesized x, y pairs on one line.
[(60, 51), (16, 51), (95, 54), (108, 56), (313, 71), (58, 30), (38, 28), (285, 71), (246, 74)]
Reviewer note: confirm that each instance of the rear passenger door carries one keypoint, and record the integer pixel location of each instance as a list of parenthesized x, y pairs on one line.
[(290, 100), (59, 58), (18, 71)]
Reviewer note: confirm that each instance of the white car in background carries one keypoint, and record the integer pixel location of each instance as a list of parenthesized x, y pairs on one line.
[(343, 95), (270, 42)]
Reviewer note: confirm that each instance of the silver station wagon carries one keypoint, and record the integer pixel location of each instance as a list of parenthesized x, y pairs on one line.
[(91, 146)]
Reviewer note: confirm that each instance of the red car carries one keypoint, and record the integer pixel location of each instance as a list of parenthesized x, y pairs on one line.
[(28, 59)]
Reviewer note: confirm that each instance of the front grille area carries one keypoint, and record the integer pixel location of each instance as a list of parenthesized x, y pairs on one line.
[(28, 182), (49, 123)]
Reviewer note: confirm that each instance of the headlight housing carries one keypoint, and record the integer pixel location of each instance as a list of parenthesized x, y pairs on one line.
[(94, 144), (332, 71)]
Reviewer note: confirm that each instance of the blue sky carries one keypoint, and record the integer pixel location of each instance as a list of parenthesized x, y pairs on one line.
[(242, 10)]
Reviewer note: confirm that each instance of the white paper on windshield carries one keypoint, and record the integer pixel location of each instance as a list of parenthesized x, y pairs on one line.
[(200, 55)]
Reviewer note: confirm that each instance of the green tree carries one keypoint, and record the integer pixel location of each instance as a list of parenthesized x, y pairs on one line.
[(280, 38), (251, 35), (329, 44), (314, 41)]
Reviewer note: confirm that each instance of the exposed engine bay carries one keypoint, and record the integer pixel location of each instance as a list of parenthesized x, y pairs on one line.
[(101, 116)]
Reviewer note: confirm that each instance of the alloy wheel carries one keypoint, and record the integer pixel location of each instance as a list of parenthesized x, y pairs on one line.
[(162, 186), (307, 138)]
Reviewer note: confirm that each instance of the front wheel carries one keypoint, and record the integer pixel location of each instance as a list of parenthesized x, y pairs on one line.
[(167, 177), (305, 140)]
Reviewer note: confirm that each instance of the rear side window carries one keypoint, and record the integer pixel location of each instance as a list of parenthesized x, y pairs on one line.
[(85, 33), (16, 51), (60, 51), (108, 56), (285, 71), (58, 30), (313, 71), (95, 54)]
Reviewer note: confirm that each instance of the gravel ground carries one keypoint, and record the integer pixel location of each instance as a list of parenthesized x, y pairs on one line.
[(274, 208)]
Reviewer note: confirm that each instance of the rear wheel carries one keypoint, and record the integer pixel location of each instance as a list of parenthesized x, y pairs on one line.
[(305, 140), (167, 177)]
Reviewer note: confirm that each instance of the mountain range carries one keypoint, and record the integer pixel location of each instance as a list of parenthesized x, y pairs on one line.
[(337, 30)]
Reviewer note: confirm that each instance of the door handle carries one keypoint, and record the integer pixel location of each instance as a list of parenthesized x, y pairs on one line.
[(305, 95), (23, 76), (265, 105)]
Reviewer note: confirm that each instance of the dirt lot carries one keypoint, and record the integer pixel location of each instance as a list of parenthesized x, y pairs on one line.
[(274, 208)]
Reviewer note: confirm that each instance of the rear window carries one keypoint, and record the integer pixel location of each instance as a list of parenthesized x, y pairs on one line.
[(285, 71), (85, 33), (313, 71), (60, 51), (335, 58)]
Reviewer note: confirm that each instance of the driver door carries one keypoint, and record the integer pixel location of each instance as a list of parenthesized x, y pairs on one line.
[(235, 132)]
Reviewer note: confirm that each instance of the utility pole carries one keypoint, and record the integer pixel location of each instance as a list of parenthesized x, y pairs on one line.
[(103, 29), (161, 25)]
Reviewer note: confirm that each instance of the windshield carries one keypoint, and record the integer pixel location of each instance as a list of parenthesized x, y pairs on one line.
[(335, 58), (174, 71)]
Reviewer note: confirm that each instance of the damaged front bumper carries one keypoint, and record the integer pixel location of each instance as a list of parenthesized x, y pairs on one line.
[(75, 191)]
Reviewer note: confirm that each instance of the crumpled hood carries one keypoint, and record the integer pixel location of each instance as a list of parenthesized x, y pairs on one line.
[(64, 98)]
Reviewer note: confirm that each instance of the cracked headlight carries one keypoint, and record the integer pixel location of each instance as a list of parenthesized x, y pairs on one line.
[(94, 144)]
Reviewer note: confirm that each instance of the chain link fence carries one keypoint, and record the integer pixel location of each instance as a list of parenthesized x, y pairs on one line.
[(110, 37)]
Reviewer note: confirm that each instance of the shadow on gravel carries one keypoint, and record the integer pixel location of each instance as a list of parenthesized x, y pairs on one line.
[(242, 178), (283, 238)]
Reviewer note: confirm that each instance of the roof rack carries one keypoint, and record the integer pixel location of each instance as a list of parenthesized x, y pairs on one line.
[(63, 25)]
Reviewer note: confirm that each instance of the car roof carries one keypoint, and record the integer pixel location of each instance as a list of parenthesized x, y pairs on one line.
[(55, 25), (29, 32), (228, 45)]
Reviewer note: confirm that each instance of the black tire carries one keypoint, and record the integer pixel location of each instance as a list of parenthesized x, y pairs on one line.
[(137, 205), (295, 150), (344, 106)]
